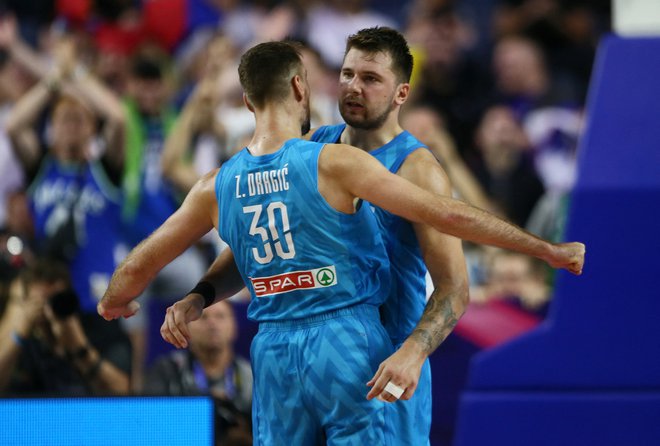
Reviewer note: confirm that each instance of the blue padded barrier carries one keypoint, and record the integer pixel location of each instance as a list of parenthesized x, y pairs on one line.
[(603, 331)]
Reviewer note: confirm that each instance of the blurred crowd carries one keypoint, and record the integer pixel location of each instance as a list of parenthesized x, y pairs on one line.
[(110, 110)]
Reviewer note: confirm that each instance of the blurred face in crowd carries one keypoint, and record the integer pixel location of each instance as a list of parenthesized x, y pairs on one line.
[(215, 330), (367, 89), (72, 126), (499, 131), (518, 67), (510, 274), (150, 94)]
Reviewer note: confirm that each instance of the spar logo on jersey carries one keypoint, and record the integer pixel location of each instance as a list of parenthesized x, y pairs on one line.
[(297, 280)]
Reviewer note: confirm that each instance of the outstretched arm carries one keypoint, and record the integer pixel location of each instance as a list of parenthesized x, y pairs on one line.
[(196, 216), (357, 174)]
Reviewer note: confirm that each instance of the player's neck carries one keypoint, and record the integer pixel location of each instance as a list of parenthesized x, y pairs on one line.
[(274, 126), (372, 139)]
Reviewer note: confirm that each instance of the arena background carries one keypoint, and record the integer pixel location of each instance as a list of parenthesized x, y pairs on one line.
[(587, 374)]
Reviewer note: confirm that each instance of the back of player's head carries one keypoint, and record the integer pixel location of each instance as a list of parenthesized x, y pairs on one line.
[(386, 40), (266, 69)]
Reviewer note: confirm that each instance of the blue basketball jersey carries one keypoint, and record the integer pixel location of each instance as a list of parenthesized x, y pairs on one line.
[(96, 206), (407, 298), (298, 256)]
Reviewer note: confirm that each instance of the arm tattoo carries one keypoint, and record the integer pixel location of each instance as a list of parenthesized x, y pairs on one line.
[(438, 320)]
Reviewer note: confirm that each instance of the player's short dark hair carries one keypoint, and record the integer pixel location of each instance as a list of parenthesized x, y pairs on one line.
[(266, 69), (386, 40)]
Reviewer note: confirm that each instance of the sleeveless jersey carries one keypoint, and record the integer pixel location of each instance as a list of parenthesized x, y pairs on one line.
[(407, 299), (298, 256), (97, 215)]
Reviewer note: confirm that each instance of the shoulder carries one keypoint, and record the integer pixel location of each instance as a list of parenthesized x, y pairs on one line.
[(337, 155), (205, 186), (423, 169)]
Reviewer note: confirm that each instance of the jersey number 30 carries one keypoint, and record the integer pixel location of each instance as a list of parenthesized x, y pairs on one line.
[(288, 251)]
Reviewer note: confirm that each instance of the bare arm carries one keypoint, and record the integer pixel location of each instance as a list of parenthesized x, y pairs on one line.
[(175, 167), (461, 177), (77, 80), (353, 173), (20, 51), (106, 105), (198, 116), (20, 122), (443, 256), (427, 125), (15, 325), (196, 216)]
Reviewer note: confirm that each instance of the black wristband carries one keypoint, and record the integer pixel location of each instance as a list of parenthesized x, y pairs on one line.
[(207, 290)]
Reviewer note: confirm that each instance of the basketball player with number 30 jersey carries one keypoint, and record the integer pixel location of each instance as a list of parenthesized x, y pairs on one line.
[(317, 277)]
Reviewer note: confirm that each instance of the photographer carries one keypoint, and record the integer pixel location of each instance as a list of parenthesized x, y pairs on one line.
[(51, 348)]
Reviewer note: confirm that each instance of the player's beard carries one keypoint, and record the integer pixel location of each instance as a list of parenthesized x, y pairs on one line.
[(367, 122)]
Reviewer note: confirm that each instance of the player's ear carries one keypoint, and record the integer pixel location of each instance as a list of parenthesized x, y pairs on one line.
[(247, 103), (402, 93), (298, 87)]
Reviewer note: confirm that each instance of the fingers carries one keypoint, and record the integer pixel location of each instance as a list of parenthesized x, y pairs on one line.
[(409, 391), (131, 309), (105, 314), (385, 388), (174, 329), (376, 384), (376, 376)]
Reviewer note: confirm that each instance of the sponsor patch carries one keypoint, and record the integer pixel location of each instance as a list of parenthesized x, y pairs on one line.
[(296, 280)]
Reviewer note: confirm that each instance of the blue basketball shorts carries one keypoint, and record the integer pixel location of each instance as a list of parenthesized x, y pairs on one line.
[(310, 380)]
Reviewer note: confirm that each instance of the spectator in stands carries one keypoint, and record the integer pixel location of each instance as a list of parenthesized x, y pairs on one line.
[(149, 198), (448, 75), (210, 367), (552, 121), (50, 348), (330, 23), (566, 30), (505, 168), (14, 82), (515, 278), (73, 195)]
